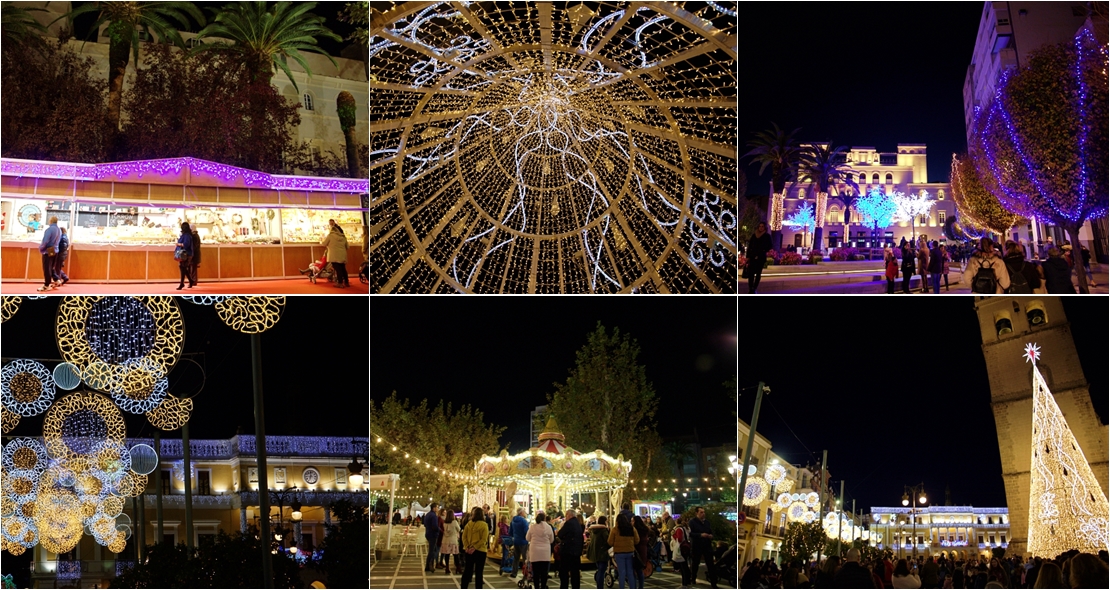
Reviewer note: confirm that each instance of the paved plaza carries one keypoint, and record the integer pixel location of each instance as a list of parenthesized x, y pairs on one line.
[(407, 571)]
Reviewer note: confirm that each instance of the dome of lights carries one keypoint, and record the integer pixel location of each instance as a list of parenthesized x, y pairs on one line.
[(553, 147)]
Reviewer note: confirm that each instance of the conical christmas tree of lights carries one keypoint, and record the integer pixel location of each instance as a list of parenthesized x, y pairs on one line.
[(1066, 507)]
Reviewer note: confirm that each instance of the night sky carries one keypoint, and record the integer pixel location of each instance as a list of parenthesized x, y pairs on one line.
[(856, 74), (313, 362), (502, 355), (859, 385)]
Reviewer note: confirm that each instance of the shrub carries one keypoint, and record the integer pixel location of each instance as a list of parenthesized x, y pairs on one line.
[(790, 258), (841, 254)]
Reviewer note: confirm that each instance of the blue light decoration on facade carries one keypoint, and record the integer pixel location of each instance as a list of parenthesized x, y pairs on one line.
[(69, 570), (119, 329)]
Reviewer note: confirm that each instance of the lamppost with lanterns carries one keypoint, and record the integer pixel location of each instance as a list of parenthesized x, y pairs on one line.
[(915, 494)]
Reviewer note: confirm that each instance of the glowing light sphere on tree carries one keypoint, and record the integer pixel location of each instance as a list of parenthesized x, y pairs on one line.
[(26, 387), (251, 315), (755, 491)]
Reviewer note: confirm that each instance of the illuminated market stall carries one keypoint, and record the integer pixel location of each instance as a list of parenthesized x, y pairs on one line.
[(123, 218), (549, 473)]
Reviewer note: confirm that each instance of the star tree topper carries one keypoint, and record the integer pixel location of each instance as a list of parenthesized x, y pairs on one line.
[(1032, 353)]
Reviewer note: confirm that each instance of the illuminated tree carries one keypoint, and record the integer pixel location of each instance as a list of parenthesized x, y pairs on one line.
[(826, 166), (780, 151), (877, 208), (1067, 509), (911, 206), (977, 206), (802, 219), (802, 540), (1041, 145)]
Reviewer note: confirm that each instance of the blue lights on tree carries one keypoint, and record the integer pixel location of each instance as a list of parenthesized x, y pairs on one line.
[(877, 208)]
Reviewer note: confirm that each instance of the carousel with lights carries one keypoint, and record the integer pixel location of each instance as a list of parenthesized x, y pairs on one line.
[(550, 473)]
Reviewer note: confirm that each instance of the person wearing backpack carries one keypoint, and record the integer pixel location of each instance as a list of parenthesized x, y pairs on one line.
[(1025, 278), (936, 266), (908, 267), (680, 551), (986, 271)]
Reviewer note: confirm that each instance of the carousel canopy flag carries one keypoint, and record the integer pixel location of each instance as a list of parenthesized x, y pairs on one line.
[(551, 472)]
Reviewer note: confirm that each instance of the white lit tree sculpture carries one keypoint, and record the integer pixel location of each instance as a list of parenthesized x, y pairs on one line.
[(1067, 509), (911, 206), (802, 219)]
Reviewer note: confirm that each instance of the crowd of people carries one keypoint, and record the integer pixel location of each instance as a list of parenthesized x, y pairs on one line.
[(554, 542), (1068, 570)]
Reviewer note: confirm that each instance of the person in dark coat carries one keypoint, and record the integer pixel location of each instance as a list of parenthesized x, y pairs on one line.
[(752, 575), (930, 574), (909, 267), (1057, 274), (1016, 263), (431, 534), (570, 554), (701, 545), (853, 575), (48, 248), (642, 546), (936, 266), (758, 246), (60, 276), (184, 264), (194, 262)]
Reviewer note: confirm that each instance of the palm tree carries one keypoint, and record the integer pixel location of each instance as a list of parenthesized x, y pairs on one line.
[(345, 106), (678, 452), (825, 166), (267, 36), (19, 25), (125, 20), (780, 151)]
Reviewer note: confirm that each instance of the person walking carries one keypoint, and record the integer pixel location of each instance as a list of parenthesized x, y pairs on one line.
[(986, 271), (623, 539), (680, 536), (450, 544), (336, 244), (908, 266), (194, 262), (1085, 257), (701, 543), (947, 260), (936, 266), (48, 248), (891, 264), (540, 538), (644, 534), (60, 277), (443, 560), (598, 551), (570, 556), (183, 253), (475, 541), (1025, 278), (1057, 275), (758, 246), (431, 535), (519, 531), (923, 263)]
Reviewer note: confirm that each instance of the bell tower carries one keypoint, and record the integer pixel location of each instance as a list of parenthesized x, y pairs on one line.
[(1006, 324)]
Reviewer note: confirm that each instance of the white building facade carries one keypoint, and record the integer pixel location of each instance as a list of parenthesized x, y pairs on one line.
[(904, 170), (955, 532)]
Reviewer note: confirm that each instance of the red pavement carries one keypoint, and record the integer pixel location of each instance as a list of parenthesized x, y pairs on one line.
[(276, 287)]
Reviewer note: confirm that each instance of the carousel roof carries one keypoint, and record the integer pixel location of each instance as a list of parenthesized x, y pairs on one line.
[(550, 147)]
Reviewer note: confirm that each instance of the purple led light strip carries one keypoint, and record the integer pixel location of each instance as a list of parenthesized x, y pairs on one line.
[(224, 172)]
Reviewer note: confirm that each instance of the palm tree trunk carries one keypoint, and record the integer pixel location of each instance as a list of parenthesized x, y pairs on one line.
[(1077, 258), (352, 153), (119, 53)]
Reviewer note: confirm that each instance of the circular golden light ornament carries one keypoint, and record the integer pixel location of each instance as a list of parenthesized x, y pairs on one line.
[(8, 306), (783, 500), (101, 376), (141, 386), (251, 315), (111, 506), (118, 545), (172, 413), (10, 419), (24, 456), (58, 518), (755, 491), (811, 516), (775, 473), (796, 512), (784, 486), (15, 549), (110, 459), (27, 509), (812, 499), (26, 387), (77, 423), (112, 330)]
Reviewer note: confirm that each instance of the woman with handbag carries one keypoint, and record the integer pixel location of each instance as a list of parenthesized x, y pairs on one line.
[(758, 246), (679, 536), (623, 539), (183, 254), (540, 538)]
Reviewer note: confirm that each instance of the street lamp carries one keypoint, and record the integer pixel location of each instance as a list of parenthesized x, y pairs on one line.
[(914, 492), (354, 468)]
